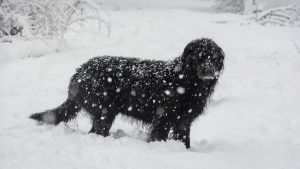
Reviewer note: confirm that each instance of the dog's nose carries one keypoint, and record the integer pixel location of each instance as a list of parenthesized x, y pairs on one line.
[(209, 71)]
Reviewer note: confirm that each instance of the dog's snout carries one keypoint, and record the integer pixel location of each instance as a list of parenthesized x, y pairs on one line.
[(209, 71), (209, 68)]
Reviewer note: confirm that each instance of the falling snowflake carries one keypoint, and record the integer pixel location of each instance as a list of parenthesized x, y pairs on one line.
[(133, 93), (190, 110), (129, 108), (79, 80), (160, 111), (167, 92), (181, 76), (177, 68), (104, 110), (180, 90), (109, 79), (104, 93), (118, 90)]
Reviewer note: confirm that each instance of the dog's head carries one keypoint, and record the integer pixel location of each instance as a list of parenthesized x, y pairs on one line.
[(204, 57)]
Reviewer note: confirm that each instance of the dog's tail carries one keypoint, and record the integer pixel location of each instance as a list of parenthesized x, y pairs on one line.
[(65, 112)]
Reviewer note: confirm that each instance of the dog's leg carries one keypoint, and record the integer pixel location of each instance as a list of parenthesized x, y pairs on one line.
[(160, 130), (93, 130), (102, 123), (182, 133)]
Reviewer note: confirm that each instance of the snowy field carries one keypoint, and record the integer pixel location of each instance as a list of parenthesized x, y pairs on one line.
[(252, 121)]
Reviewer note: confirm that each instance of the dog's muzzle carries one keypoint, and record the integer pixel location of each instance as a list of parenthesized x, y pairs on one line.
[(207, 71)]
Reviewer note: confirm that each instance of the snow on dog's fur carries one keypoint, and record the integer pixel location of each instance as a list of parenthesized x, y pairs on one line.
[(167, 95)]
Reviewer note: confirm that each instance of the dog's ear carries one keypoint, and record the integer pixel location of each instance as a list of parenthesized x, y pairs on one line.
[(221, 59), (188, 55), (187, 51)]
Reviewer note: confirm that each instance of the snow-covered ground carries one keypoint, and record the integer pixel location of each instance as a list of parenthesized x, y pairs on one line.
[(253, 120)]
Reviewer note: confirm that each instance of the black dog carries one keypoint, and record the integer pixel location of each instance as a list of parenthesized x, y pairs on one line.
[(166, 95)]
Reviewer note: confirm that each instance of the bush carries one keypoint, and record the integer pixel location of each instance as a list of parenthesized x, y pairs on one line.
[(45, 18), (9, 21)]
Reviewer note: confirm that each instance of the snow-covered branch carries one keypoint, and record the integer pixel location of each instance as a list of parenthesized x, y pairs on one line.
[(283, 16), (46, 18)]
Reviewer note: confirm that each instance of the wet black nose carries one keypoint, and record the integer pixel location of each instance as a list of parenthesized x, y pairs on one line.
[(209, 71)]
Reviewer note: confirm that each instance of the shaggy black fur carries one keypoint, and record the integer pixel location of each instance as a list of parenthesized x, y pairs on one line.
[(166, 95)]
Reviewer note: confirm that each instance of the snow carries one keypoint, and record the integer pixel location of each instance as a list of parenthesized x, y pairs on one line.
[(109, 79), (167, 92), (160, 111), (133, 93), (104, 110), (180, 90), (159, 4), (252, 121)]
